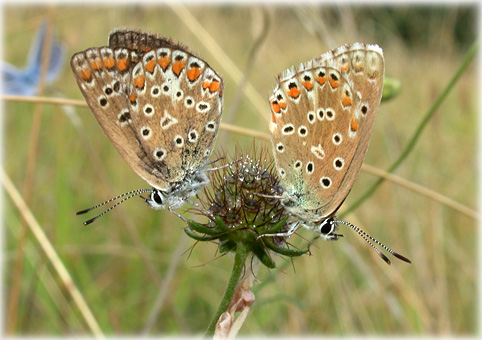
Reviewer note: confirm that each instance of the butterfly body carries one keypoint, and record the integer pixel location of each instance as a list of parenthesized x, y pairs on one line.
[(159, 105), (323, 114)]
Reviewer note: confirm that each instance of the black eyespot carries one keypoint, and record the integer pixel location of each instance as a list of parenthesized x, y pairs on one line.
[(309, 167), (146, 132), (338, 163), (103, 102), (280, 97), (307, 78), (178, 94), (334, 77), (288, 129), (326, 182), (329, 113), (210, 126), (165, 88), (116, 86), (280, 147), (291, 85), (163, 54), (321, 73), (194, 64), (148, 109), (364, 109), (125, 117), (189, 101), (337, 138), (193, 135), (179, 57), (303, 131), (178, 140), (297, 164), (160, 153), (155, 91), (203, 107)]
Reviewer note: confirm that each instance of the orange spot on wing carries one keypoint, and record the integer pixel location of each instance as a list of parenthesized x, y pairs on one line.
[(150, 65), (346, 101), (345, 68), (353, 124), (215, 85), (206, 85), (177, 67), (334, 83), (275, 107), (164, 62), (293, 92), (132, 97), (122, 64), (308, 85), (193, 73), (359, 67), (85, 74), (220, 92), (139, 81), (109, 62), (96, 64), (272, 117), (146, 49), (282, 105), (320, 80)]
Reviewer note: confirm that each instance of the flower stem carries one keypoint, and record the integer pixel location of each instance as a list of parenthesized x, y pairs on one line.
[(242, 252)]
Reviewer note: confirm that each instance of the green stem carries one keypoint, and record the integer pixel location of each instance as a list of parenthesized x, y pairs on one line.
[(411, 145), (242, 252)]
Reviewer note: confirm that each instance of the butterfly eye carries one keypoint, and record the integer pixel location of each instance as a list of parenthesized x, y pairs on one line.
[(156, 196), (327, 226)]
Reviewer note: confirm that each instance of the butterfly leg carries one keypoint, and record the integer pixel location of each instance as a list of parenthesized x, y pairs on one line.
[(171, 209), (311, 242), (206, 212), (287, 234), (222, 166)]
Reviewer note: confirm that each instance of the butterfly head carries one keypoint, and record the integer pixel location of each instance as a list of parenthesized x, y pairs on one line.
[(326, 229), (157, 199)]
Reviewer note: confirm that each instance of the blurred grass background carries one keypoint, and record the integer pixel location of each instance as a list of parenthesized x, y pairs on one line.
[(122, 261)]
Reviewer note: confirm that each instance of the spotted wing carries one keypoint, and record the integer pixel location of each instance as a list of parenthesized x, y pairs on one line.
[(323, 114), (176, 102), (103, 75)]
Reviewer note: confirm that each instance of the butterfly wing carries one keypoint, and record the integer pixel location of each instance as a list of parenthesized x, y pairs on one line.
[(176, 103), (323, 113), (102, 75), (118, 83)]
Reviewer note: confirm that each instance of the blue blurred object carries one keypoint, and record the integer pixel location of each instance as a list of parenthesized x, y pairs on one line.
[(25, 82)]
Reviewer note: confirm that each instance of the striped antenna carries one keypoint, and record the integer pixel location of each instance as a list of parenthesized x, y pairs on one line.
[(129, 195), (365, 236)]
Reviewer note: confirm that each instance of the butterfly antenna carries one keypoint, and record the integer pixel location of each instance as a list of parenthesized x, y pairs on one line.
[(129, 195), (365, 236)]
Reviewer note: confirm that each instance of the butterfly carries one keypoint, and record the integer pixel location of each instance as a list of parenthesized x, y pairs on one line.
[(322, 116), (160, 106)]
